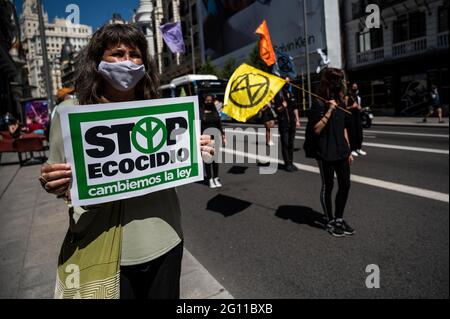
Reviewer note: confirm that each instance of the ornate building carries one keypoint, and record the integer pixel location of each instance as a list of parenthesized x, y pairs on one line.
[(56, 34)]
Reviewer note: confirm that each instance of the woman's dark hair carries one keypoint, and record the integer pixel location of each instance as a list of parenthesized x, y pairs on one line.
[(332, 84), (89, 84)]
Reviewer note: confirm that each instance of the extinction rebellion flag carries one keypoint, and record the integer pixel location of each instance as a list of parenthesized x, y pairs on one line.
[(248, 91)]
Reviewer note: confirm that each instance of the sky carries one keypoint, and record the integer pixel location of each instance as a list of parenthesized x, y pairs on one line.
[(92, 12)]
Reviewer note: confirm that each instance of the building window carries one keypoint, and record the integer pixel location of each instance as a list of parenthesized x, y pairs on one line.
[(409, 27), (370, 40), (443, 19), (417, 25)]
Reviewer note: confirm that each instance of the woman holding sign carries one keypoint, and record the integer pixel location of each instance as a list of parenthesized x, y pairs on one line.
[(135, 244)]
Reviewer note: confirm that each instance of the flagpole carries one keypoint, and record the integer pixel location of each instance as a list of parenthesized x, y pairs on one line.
[(192, 38), (304, 95), (308, 71), (310, 94)]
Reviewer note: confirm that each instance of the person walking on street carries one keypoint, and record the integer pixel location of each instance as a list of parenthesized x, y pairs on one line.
[(354, 125), (435, 105), (211, 120), (331, 148), (132, 248), (288, 122), (268, 118)]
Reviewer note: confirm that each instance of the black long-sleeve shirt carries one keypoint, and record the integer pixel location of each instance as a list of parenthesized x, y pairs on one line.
[(211, 120), (286, 116), (331, 143)]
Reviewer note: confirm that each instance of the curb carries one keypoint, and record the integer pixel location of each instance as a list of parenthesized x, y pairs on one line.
[(410, 124), (399, 124), (197, 283)]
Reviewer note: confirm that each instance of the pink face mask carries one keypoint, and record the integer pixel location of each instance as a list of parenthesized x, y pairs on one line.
[(123, 76)]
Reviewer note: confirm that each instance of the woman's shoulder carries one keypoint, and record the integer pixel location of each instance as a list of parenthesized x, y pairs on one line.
[(69, 102)]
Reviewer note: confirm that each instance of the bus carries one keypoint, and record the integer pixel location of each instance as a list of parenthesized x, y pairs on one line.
[(196, 85)]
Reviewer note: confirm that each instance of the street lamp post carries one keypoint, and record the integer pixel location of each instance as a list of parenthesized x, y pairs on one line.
[(308, 71), (192, 37), (48, 81)]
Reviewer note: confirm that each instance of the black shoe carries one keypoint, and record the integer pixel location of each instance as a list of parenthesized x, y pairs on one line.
[(291, 168), (336, 229), (348, 230)]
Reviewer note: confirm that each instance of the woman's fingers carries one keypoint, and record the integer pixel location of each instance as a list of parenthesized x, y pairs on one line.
[(55, 175), (60, 183), (54, 167), (61, 190), (207, 149)]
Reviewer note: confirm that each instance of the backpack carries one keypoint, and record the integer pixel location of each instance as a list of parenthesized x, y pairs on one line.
[(311, 145)]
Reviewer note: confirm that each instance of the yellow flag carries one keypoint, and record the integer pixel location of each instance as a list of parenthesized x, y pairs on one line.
[(248, 91)]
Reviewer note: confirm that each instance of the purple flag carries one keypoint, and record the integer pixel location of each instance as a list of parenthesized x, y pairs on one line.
[(173, 36)]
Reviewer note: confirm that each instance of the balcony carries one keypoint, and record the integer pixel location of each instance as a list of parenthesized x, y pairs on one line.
[(369, 57), (408, 48), (442, 42)]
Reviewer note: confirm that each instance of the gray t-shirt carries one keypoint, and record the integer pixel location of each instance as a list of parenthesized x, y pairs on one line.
[(151, 223)]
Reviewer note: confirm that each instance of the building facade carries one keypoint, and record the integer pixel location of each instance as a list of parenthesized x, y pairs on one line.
[(56, 34), (174, 65), (13, 80), (143, 17), (397, 63)]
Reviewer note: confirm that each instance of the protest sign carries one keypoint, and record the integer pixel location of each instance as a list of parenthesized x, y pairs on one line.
[(123, 150)]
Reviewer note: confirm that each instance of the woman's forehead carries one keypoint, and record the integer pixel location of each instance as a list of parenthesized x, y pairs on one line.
[(121, 45)]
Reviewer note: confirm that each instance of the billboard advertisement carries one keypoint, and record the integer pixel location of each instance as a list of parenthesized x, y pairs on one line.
[(36, 111), (229, 26)]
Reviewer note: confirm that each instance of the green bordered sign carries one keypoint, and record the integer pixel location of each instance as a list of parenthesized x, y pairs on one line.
[(123, 150)]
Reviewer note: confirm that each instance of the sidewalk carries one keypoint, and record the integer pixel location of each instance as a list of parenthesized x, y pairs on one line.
[(409, 121), (382, 121), (32, 227)]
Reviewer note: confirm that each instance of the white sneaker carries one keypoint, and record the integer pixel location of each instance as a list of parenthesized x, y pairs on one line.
[(271, 143), (354, 154), (361, 152), (217, 182), (212, 185)]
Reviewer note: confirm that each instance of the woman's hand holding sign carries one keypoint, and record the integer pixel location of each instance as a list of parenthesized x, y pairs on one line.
[(56, 178), (206, 147)]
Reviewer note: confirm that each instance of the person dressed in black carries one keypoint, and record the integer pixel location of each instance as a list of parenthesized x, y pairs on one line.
[(211, 119), (327, 123), (435, 105), (288, 122), (354, 125)]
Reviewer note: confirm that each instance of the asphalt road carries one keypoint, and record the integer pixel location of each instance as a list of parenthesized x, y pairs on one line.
[(259, 238)]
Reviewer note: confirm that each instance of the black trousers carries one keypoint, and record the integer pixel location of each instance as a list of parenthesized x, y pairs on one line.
[(157, 279), (212, 170), (327, 170), (287, 138)]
